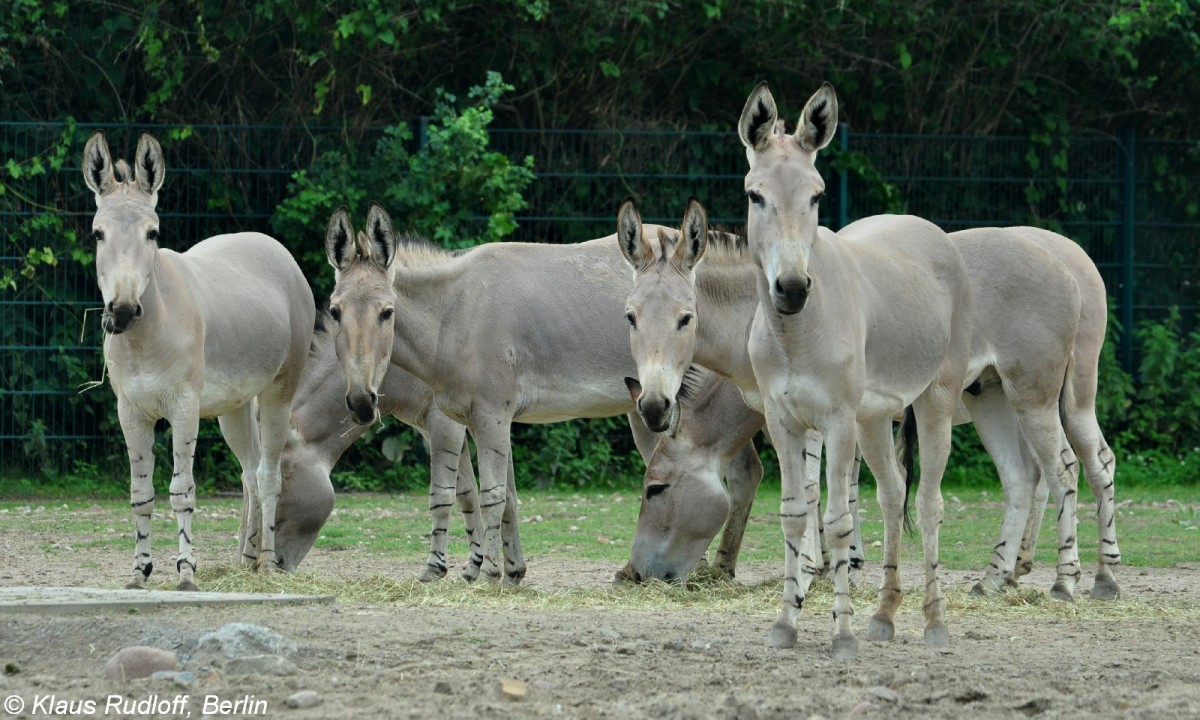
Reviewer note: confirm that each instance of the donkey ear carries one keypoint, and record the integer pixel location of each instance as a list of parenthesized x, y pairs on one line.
[(694, 235), (339, 240), (819, 119), (634, 246), (148, 167), (635, 388), (381, 236), (757, 123), (98, 165)]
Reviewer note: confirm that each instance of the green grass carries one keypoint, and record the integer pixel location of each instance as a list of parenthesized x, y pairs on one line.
[(1158, 528)]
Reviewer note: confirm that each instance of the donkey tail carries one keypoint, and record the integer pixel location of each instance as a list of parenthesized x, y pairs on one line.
[(906, 440)]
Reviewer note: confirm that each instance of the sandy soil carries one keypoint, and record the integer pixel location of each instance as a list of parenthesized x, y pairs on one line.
[(373, 661)]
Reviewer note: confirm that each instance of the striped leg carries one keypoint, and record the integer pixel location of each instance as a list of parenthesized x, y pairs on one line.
[(139, 443), (184, 431), (492, 444), (240, 433), (446, 442), (812, 474), (742, 479), (510, 535), (1099, 465), (1037, 511), (933, 433), (839, 525), (858, 556), (467, 495), (1043, 430), (274, 420), (1000, 432), (799, 567), (875, 440)]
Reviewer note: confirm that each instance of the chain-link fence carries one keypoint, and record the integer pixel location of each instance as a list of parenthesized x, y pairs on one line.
[(1129, 203)]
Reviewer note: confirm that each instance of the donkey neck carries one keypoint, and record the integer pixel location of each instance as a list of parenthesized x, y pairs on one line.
[(726, 300), (424, 296)]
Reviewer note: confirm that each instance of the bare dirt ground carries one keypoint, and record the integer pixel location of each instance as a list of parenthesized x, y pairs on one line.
[(379, 661)]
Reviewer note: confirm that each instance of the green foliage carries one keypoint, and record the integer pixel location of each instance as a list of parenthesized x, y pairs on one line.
[(1163, 410), (438, 179)]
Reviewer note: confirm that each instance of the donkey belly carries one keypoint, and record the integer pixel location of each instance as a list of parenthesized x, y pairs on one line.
[(226, 389)]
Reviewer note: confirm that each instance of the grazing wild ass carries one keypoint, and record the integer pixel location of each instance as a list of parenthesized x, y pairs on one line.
[(192, 335), (321, 432), (1039, 311), (502, 333)]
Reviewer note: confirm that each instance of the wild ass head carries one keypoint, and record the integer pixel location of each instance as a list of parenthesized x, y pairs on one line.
[(784, 190), (125, 227), (661, 309), (362, 305)]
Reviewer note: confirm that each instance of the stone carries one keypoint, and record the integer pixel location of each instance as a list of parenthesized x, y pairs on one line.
[(138, 661), (441, 687), (885, 693), (303, 699), (513, 689), (182, 678), (243, 640), (260, 665)]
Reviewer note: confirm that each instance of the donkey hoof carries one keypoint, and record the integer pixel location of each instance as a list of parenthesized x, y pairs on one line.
[(881, 629), (781, 635), (513, 578), (845, 647), (431, 575), (1024, 568), (187, 586), (1061, 592), (937, 635), (1105, 589)]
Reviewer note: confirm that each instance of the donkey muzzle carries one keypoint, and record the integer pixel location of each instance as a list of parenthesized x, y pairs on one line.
[(362, 407), (789, 293), (656, 411), (118, 318)]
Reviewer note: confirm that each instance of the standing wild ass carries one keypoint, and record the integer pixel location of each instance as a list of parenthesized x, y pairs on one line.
[(502, 332), (193, 335), (320, 433), (851, 329), (1039, 311)]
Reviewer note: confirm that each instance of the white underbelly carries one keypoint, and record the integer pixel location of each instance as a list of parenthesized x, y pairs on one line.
[(225, 392)]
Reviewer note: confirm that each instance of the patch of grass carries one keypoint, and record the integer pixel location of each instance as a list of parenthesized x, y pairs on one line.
[(718, 597)]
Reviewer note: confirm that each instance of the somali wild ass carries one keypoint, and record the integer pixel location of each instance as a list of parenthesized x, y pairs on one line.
[(502, 332), (1039, 306), (192, 335), (321, 431)]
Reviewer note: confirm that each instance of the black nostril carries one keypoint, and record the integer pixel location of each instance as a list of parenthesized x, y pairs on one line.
[(637, 576), (349, 405), (808, 284), (669, 577), (108, 308), (374, 399), (137, 311), (779, 287)]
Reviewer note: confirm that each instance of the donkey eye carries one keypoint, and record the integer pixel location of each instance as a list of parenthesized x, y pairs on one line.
[(654, 491), (684, 321), (632, 320), (97, 236), (336, 314), (152, 235), (386, 314), (818, 198), (755, 197)]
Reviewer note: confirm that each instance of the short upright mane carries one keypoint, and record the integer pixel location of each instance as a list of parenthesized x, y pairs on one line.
[(414, 250)]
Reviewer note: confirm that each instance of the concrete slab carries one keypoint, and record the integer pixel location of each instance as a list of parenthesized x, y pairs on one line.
[(73, 600)]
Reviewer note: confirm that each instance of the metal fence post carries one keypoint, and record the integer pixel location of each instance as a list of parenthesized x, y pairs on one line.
[(843, 217), (1129, 185)]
